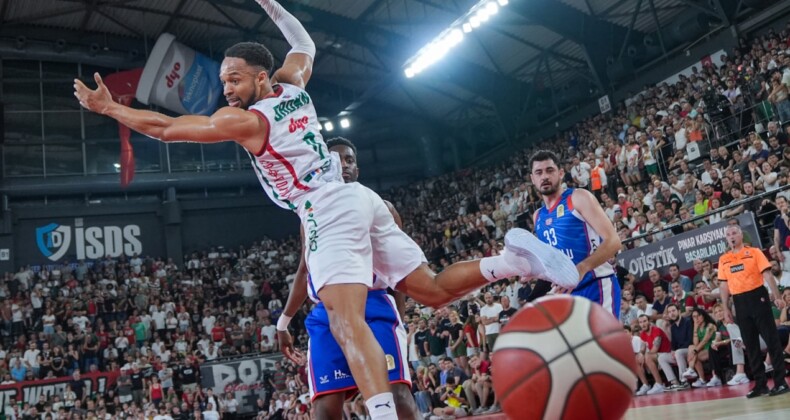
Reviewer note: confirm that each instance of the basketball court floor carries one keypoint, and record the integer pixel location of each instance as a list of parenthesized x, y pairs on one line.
[(727, 402)]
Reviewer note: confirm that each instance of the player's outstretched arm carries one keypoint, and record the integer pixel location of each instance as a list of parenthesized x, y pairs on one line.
[(226, 124), (298, 65), (296, 298), (586, 204)]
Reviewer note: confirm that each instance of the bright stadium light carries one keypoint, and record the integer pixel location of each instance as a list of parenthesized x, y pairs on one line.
[(328, 126), (452, 36), (345, 123)]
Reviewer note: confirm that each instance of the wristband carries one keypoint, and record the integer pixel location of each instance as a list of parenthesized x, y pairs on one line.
[(282, 322)]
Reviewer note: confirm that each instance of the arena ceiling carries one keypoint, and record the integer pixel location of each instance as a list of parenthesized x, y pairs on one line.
[(546, 54)]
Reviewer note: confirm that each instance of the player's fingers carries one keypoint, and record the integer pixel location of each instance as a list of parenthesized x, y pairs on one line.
[(97, 78)]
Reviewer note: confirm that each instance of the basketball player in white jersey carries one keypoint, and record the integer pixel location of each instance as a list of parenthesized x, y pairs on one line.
[(349, 231)]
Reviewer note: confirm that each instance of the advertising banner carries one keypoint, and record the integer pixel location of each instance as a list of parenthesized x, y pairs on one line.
[(706, 243), (244, 377), (29, 391), (42, 241), (180, 79)]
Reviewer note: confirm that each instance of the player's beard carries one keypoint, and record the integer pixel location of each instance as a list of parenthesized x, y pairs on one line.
[(549, 189)]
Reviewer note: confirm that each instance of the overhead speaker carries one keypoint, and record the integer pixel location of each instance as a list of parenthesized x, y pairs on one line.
[(690, 28)]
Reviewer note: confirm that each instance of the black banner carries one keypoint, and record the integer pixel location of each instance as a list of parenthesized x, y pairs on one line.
[(705, 243), (52, 241), (244, 377)]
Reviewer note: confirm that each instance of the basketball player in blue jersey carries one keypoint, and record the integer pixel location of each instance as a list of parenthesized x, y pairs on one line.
[(329, 390), (573, 221), (349, 229)]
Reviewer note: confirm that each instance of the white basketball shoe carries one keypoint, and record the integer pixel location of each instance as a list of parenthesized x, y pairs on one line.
[(525, 251)]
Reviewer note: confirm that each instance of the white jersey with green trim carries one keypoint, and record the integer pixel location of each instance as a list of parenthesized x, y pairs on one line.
[(295, 159)]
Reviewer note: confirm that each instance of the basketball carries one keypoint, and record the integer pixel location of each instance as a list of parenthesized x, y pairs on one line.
[(564, 357)]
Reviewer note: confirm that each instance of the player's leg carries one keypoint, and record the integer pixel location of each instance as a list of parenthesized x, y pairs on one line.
[(404, 402), (396, 257), (339, 256), (330, 406), (345, 305), (382, 315)]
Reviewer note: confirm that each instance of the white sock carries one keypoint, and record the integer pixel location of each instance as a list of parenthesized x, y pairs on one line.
[(495, 268), (381, 407)]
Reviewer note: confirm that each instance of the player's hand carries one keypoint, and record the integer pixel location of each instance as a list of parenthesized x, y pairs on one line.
[(97, 100), (287, 347)]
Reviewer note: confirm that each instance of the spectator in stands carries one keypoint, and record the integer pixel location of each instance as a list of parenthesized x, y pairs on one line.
[(489, 316), (680, 329), (702, 337), (657, 343)]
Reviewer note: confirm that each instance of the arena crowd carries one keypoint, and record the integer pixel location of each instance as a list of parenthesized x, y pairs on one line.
[(668, 157)]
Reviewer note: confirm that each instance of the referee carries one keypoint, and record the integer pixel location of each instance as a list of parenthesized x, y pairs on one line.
[(742, 272)]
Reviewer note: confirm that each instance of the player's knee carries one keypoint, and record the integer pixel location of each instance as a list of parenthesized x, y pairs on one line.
[(345, 324)]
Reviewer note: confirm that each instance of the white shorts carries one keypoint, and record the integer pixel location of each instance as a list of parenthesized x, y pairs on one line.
[(349, 234)]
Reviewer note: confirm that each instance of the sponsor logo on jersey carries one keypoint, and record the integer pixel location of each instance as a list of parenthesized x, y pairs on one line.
[(560, 211), (339, 374), (312, 227), (548, 221), (324, 379), (298, 124), (91, 242), (278, 181), (283, 109), (736, 268)]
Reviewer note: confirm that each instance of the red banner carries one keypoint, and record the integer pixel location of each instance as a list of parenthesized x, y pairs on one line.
[(29, 391)]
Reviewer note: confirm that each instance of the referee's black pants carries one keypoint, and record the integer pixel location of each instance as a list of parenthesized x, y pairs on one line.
[(754, 317)]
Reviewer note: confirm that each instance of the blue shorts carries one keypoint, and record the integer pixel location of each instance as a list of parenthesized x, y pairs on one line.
[(604, 291), (328, 371)]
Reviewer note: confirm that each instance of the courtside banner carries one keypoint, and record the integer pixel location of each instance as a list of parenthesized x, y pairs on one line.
[(55, 240), (705, 243), (29, 391), (244, 377)]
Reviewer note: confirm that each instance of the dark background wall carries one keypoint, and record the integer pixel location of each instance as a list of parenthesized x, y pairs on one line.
[(166, 229)]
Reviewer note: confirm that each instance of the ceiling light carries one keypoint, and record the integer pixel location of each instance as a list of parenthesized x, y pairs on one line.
[(328, 126), (345, 123), (441, 45)]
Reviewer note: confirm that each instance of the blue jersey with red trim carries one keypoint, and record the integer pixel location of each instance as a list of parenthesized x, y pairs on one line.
[(564, 228)]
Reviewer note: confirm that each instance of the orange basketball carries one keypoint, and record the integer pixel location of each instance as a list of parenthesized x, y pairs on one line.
[(564, 357)]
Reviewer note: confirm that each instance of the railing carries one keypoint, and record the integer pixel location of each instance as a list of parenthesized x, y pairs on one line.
[(734, 204)]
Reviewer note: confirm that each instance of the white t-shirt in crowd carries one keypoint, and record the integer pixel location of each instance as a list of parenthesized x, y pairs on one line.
[(491, 311)]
